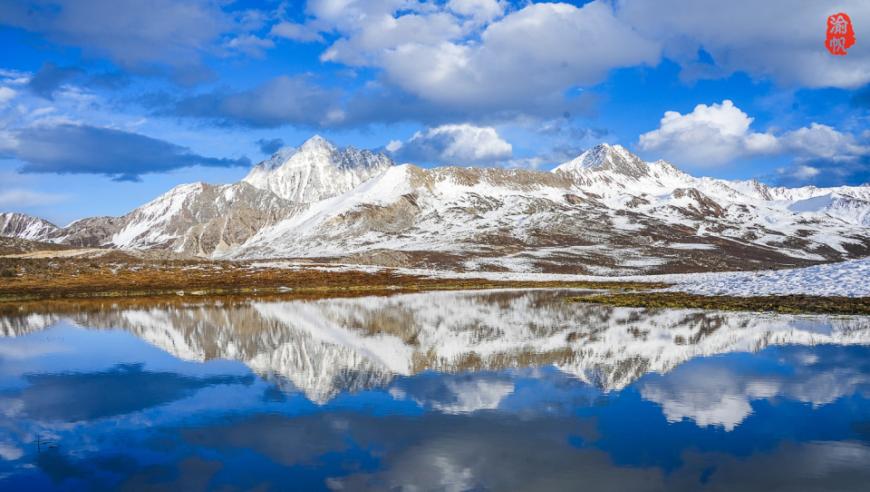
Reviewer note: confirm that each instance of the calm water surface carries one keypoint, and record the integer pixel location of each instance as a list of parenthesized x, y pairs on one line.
[(507, 390)]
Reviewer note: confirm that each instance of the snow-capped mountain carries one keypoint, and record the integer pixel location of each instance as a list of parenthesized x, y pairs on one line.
[(328, 346), (26, 227), (316, 170), (604, 212), (201, 219), (197, 219)]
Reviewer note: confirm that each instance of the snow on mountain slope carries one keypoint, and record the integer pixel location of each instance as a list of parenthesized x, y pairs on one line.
[(604, 157), (204, 220), (317, 170), (615, 173), (847, 208), (27, 227), (738, 210), (200, 219), (451, 210), (606, 212)]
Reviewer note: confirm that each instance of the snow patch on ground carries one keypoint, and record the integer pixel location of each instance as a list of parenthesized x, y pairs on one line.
[(848, 279), (703, 246)]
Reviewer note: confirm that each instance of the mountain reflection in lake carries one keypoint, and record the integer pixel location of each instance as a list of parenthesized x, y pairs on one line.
[(503, 390)]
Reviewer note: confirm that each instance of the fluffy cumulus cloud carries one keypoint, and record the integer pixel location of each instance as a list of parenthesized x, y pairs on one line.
[(721, 133), (775, 39), (819, 141), (477, 10), (500, 60), (484, 61), (489, 59), (453, 144), (473, 60), (709, 135), (529, 57), (483, 58), (83, 149)]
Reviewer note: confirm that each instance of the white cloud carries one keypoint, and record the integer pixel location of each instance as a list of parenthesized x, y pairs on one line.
[(799, 173), (822, 141), (453, 144), (777, 39), (375, 37), (533, 54), (468, 54), (250, 45), (825, 156), (296, 32), (6, 95), (708, 136), (720, 133), (479, 10), (488, 57), (393, 146), (27, 198)]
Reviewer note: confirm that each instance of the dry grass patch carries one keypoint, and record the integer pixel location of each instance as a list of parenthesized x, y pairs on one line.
[(118, 275), (793, 304)]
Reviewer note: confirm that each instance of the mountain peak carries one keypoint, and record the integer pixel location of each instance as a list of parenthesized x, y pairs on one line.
[(607, 157), (316, 170), (317, 143), (25, 226)]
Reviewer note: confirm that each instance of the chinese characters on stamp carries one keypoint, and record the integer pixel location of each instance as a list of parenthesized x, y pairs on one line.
[(840, 35)]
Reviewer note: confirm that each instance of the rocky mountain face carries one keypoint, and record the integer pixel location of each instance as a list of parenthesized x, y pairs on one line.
[(315, 171), (201, 219), (24, 226), (205, 220), (605, 212)]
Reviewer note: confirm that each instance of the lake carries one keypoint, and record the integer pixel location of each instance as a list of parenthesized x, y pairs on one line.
[(485, 390)]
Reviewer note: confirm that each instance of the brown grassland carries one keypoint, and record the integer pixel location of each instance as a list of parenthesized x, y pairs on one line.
[(793, 304), (119, 276), (42, 284)]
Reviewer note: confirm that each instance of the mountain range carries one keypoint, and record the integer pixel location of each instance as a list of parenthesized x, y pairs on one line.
[(604, 212)]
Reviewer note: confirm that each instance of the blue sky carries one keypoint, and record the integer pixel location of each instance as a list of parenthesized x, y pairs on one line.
[(106, 104)]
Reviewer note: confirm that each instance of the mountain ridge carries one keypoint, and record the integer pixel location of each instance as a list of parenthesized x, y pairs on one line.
[(316, 170), (606, 211)]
